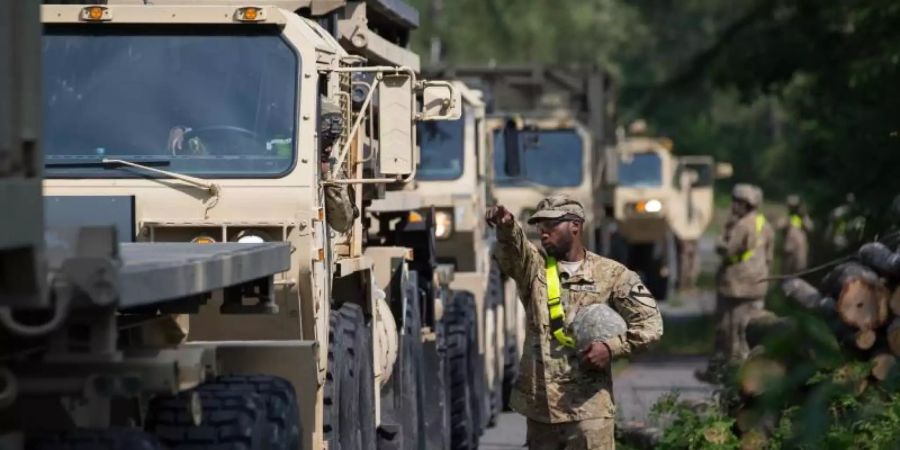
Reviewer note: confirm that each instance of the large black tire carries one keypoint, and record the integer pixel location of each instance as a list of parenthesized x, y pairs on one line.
[(403, 397), (357, 401), (90, 439), (232, 420), (333, 378), (466, 374), (461, 420), (282, 415)]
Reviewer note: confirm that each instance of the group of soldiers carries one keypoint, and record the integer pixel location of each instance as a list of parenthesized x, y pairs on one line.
[(747, 249)]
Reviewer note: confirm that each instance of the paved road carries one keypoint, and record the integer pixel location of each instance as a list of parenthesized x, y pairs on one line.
[(637, 388)]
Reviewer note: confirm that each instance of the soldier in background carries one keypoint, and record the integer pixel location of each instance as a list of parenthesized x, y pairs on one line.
[(746, 249), (339, 207), (565, 387), (795, 237)]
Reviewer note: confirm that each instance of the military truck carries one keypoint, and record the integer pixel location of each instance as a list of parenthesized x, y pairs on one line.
[(455, 177), (201, 122), (660, 207)]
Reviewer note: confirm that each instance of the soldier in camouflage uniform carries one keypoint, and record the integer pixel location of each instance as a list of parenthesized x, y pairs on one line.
[(339, 208), (565, 391), (795, 244), (746, 250)]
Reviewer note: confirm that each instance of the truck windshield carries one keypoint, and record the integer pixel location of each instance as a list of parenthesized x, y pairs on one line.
[(640, 170), (197, 101), (550, 158), (442, 149)]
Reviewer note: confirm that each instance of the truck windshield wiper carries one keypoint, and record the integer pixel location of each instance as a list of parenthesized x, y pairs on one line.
[(210, 187)]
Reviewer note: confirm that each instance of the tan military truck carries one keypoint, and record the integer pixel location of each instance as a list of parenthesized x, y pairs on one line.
[(661, 205), (455, 178), (201, 122)]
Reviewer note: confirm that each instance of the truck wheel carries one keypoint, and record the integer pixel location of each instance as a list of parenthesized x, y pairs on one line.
[(357, 404), (332, 391), (466, 375), (89, 439), (229, 420), (461, 421), (282, 416)]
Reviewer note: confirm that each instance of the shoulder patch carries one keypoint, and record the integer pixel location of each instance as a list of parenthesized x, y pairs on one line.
[(635, 289)]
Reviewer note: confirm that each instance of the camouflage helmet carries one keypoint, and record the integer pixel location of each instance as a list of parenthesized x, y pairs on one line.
[(556, 207), (596, 323), (793, 201), (748, 193)]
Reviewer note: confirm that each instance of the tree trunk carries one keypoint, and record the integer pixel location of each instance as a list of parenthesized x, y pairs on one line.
[(893, 336), (833, 283), (879, 257), (882, 365), (863, 304), (895, 301), (765, 325), (805, 295)]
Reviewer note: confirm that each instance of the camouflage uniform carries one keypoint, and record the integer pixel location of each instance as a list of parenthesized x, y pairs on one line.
[(746, 247), (568, 405), (795, 246), (339, 208)]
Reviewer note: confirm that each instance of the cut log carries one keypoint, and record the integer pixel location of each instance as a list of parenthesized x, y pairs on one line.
[(863, 339), (853, 375), (882, 365), (765, 325), (759, 372), (803, 294), (893, 336), (833, 283), (881, 258), (895, 301), (863, 304)]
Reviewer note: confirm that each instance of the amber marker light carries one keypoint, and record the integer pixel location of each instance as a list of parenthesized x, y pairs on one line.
[(250, 14), (203, 240), (95, 14)]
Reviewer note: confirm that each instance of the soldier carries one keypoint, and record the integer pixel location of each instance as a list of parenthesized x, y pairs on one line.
[(565, 387), (745, 248), (795, 245), (339, 208)]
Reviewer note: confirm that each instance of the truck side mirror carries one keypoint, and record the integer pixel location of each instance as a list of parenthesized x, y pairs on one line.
[(440, 101), (395, 116), (512, 149), (724, 170)]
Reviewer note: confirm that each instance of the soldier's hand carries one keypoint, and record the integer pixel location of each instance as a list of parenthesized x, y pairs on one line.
[(596, 355), (498, 215)]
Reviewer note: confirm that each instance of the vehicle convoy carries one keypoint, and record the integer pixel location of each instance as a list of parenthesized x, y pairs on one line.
[(206, 122), (660, 207), (554, 107)]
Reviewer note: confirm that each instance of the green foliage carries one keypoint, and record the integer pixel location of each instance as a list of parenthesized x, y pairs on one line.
[(693, 427)]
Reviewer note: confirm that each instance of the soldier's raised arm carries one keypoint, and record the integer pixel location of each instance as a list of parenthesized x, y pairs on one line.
[(516, 255), (634, 302)]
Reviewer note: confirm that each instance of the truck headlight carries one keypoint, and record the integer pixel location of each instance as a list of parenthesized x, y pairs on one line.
[(443, 224), (653, 206), (252, 237)]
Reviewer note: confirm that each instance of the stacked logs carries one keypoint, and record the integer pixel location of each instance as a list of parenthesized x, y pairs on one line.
[(860, 302)]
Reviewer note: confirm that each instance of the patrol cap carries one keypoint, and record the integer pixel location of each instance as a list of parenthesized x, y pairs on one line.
[(747, 193), (555, 207)]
